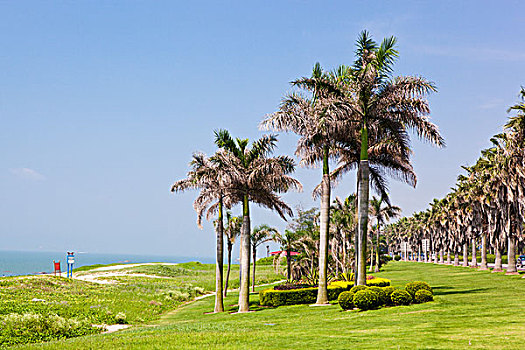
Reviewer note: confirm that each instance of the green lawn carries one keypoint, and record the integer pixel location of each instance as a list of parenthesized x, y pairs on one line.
[(472, 309)]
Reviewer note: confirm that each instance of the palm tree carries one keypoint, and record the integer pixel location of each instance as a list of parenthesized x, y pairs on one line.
[(342, 221), (289, 242), (232, 231), (319, 121), (210, 178), (387, 103), (255, 177), (260, 234), (381, 214)]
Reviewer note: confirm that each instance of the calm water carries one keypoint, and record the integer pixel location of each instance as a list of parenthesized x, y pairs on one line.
[(14, 263)]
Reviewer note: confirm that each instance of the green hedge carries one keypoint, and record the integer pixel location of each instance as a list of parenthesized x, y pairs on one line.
[(367, 299), (400, 297), (346, 300), (378, 282), (271, 297), (413, 287), (423, 296)]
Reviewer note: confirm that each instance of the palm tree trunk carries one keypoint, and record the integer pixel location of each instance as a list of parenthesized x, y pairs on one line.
[(254, 256), (511, 256), (441, 258), (362, 206), (345, 264), (371, 256), (288, 265), (244, 291), (230, 246), (456, 258), (465, 254), (484, 265), (498, 267), (219, 305), (322, 293), (377, 250), (448, 257), (474, 260)]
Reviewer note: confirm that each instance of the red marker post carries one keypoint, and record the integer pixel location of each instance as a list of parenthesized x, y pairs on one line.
[(57, 267)]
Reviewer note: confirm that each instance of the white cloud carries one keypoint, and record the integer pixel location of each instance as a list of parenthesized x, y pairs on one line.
[(493, 104), (27, 173), (474, 53)]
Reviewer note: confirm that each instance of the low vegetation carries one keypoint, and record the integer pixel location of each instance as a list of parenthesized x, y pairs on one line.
[(41, 308)]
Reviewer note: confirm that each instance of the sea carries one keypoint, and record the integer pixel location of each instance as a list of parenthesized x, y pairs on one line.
[(15, 263)]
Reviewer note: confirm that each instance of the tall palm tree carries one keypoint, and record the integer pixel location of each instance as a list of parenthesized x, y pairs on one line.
[(232, 231), (319, 121), (378, 99), (255, 177), (208, 176), (382, 214), (260, 234)]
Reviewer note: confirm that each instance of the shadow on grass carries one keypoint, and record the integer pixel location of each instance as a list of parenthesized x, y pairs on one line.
[(444, 290), (254, 306)]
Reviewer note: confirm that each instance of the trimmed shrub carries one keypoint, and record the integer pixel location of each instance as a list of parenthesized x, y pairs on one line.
[(289, 286), (343, 284), (366, 299), (356, 289), (423, 296), (271, 297), (381, 295), (378, 282), (400, 297), (346, 300), (397, 257), (413, 287), (388, 291)]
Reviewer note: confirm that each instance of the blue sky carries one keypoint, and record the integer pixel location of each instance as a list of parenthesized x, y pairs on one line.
[(103, 102)]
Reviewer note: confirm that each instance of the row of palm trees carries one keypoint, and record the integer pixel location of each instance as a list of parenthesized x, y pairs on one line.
[(358, 117), (486, 206)]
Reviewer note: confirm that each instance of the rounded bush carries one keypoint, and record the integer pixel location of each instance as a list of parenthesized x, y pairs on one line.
[(423, 296), (366, 299), (397, 257), (388, 291), (356, 289), (346, 300), (413, 287), (400, 297), (381, 295)]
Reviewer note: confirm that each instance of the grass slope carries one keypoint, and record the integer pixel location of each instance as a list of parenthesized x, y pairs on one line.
[(141, 299), (472, 309)]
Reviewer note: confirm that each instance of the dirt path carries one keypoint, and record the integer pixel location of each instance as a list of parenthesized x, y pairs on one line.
[(96, 275)]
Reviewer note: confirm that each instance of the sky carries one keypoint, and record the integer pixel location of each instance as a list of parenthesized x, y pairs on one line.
[(102, 104)]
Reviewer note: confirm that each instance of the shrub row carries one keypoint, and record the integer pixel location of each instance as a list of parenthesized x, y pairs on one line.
[(272, 297), (376, 282), (371, 297)]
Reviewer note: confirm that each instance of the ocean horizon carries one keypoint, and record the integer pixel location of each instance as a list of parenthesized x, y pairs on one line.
[(15, 263)]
